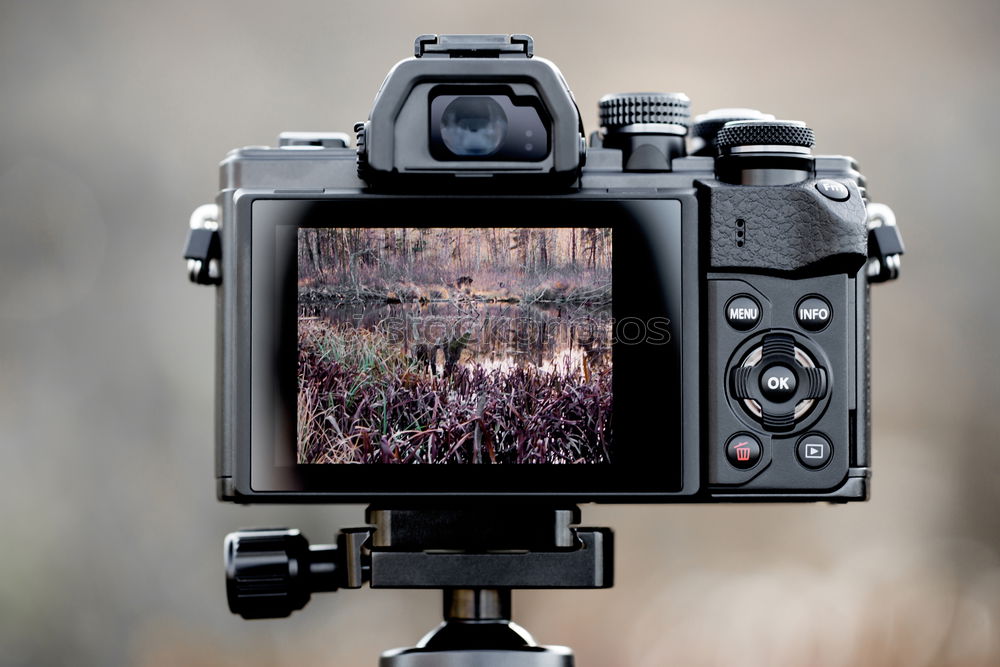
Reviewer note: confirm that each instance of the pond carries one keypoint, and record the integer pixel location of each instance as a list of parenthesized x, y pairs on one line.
[(547, 336)]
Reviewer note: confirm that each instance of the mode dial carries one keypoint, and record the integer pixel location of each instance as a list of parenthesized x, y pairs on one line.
[(620, 111), (648, 128)]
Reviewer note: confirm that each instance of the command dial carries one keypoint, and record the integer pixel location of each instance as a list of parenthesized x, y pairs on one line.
[(765, 136), (707, 125)]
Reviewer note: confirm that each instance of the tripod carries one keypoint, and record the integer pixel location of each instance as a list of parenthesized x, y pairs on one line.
[(477, 556)]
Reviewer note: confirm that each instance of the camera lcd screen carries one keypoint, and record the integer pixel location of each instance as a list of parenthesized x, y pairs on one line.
[(438, 346)]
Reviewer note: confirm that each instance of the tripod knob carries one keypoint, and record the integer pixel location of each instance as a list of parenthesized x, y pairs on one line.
[(272, 572)]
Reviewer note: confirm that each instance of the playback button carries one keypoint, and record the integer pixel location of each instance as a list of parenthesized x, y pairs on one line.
[(814, 450)]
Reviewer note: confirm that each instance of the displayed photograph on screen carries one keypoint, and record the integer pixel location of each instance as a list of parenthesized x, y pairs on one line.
[(454, 345)]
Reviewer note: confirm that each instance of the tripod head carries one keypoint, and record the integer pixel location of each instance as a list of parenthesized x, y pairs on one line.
[(477, 556)]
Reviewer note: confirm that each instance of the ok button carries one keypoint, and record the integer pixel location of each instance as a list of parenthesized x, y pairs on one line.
[(778, 383)]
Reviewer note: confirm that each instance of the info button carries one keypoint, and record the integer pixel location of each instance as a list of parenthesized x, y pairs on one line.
[(742, 312), (813, 313)]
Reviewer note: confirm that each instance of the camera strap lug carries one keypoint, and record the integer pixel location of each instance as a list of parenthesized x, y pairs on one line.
[(203, 250), (885, 244)]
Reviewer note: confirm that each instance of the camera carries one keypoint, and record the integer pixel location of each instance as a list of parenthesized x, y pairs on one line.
[(476, 302)]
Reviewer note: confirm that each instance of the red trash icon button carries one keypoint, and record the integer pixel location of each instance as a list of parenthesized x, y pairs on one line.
[(743, 451)]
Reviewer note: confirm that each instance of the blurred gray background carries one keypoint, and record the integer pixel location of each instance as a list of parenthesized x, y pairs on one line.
[(113, 116)]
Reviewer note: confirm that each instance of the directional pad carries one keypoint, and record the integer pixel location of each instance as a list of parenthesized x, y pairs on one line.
[(778, 382)]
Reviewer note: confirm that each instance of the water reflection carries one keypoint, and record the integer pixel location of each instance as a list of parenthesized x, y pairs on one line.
[(549, 336)]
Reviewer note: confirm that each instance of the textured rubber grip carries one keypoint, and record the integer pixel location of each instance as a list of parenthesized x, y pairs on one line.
[(783, 228)]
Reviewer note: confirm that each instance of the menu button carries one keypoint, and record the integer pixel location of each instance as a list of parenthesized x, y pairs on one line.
[(742, 312)]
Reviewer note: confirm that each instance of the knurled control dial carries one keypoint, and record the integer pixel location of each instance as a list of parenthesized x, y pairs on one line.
[(623, 110), (756, 133), (778, 382), (707, 125)]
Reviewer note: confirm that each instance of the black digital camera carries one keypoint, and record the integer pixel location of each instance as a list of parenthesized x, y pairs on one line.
[(477, 303)]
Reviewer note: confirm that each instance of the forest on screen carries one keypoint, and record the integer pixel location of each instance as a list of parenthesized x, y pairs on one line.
[(454, 345)]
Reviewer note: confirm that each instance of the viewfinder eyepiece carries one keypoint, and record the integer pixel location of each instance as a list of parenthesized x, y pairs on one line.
[(472, 105), (473, 125), (499, 126)]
